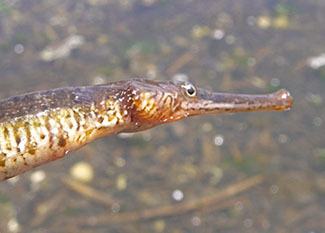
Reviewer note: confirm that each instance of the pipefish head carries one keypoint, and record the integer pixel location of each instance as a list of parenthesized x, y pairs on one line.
[(162, 102)]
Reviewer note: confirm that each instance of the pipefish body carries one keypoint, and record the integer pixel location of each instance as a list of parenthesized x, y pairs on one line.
[(40, 127)]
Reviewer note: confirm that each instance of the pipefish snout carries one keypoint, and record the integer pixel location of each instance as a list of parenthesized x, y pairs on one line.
[(39, 127)]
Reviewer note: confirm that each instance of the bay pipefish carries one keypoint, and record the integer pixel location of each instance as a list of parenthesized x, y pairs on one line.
[(39, 127)]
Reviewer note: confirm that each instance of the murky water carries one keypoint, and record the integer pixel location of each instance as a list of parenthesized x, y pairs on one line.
[(256, 172)]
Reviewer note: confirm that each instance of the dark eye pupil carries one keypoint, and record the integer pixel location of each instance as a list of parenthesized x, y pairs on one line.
[(190, 91)]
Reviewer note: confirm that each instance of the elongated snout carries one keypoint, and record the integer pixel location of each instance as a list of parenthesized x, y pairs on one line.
[(214, 102)]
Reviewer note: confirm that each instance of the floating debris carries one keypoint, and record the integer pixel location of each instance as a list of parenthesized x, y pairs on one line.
[(199, 32), (316, 62), (63, 50), (266, 22), (82, 171), (121, 182), (280, 22)]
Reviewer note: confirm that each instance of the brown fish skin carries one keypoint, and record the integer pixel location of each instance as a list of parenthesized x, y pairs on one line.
[(39, 127)]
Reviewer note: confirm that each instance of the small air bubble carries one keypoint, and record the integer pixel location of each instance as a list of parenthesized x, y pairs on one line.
[(248, 223), (218, 34), (230, 39), (178, 195), (275, 82), (116, 207), (274, 189), (120, 162), (196, 221), (218, 140), (19, 49), (317, 121), (283, 138)]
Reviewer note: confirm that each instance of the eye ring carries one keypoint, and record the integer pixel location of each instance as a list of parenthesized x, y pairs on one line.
[(190, 89)]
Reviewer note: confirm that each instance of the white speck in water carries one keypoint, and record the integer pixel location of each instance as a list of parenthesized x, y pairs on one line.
[(19, 49), (230, 39), (314, 98), (116, 207), (178, 195), (218, 34), (248, 223), (13, 225), (120, 162), (218, 140), (283, 138), (37, 177), (317, 62), (274, 189), (317, 121), (239, 206), (196, 221), (275, 82)]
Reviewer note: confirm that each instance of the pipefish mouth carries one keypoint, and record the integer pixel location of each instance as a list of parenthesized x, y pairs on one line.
[(40, 127)]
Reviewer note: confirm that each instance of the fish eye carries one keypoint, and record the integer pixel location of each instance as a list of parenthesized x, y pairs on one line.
[(190, 89)]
